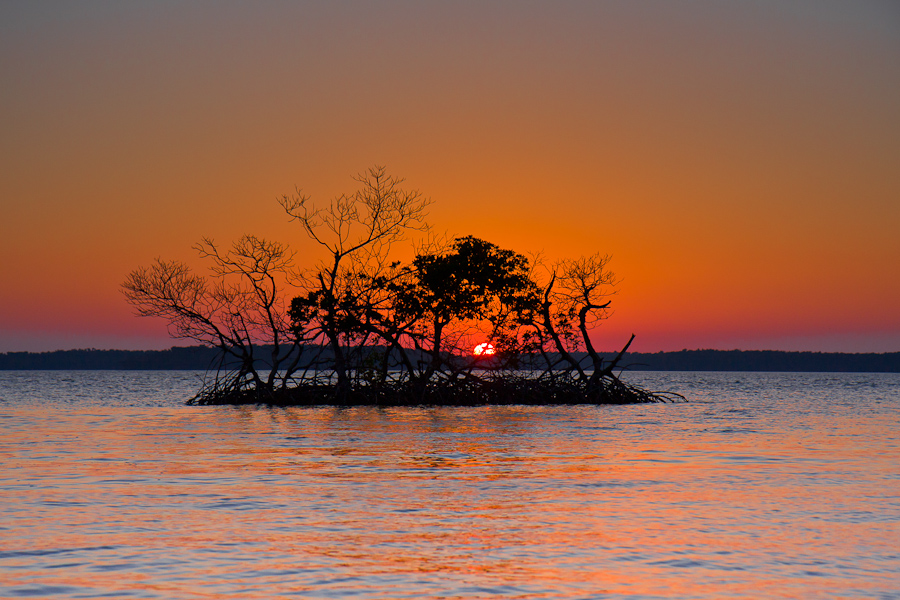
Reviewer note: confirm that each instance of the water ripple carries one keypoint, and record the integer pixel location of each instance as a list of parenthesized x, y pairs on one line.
[(764, 485)]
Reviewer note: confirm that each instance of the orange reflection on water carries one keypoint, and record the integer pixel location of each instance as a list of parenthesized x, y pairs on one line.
[(512, 502)]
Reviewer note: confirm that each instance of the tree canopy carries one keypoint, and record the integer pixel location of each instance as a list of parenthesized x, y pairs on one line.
[(362, 327)]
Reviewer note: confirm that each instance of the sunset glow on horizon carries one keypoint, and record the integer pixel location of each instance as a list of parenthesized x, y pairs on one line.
[(738, 160)]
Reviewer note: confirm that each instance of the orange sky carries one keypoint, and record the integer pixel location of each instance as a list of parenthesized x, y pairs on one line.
[(740, 160)]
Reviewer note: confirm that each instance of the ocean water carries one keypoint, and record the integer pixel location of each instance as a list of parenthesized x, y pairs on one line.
[(762, 485)]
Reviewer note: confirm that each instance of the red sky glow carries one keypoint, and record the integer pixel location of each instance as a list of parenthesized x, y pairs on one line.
[(738, 160)]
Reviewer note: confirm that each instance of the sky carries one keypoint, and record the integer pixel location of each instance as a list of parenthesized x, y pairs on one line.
[(739, 160)]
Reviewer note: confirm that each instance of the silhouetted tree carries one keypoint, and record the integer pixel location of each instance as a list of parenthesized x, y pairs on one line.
[(343, 293), (237, 308), (474, 288), (574, 300)]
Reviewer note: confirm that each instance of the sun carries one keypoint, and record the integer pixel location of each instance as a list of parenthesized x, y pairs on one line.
[(485, 349)]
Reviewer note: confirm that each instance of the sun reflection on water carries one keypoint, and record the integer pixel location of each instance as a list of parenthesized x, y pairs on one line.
[(687, 501)]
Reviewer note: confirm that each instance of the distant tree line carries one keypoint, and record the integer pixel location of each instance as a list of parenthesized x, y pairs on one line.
[(764, 360), (177, 358), (199, 358), (382, 331)]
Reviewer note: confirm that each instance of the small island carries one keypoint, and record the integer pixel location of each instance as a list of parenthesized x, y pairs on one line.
[(465, 322)]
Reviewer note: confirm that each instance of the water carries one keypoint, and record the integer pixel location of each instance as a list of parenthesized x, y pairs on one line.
[(762, 486)]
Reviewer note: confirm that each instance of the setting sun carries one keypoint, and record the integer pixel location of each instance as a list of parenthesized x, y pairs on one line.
[(485, 349)]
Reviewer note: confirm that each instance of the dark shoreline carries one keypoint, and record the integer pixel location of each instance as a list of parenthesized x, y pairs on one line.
[(200, 358)]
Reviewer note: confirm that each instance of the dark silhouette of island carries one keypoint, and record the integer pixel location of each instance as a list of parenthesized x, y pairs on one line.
[(465, 322), (199, 358)]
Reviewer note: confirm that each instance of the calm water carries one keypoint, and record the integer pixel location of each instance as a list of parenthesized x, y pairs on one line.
[(763, 486)]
